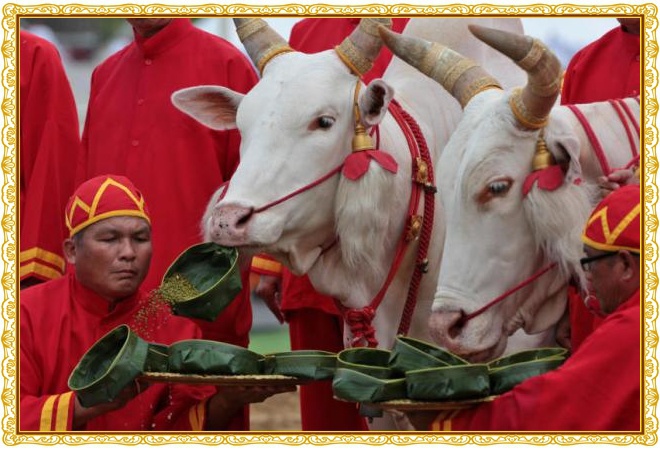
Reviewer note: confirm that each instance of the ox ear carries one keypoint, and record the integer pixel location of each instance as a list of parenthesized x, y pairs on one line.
[(212, 106), (374, 102), (565, 147)]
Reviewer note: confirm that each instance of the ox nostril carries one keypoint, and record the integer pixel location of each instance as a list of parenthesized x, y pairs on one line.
[(243, 219), (456, 327), (447, 327)]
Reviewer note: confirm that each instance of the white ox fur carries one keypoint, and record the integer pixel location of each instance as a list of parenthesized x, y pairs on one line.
[(284, 148), (494, 241)]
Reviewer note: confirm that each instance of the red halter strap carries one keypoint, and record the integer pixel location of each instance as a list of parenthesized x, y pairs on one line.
[(509, 292), (360, 320), (623, 111), (620, 106), (593, 139)]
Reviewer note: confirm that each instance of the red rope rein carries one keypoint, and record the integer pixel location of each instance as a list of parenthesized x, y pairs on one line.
[(509, 292), (304, 188)]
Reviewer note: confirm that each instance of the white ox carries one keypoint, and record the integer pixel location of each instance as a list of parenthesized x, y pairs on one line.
[(497, 236), (297, 124)]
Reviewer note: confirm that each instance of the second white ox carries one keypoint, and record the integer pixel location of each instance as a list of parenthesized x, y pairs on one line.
[(514, 212), (297, 125)]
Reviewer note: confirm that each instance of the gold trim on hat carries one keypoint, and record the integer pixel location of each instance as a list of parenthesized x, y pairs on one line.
[(612, 234), (91, 209)]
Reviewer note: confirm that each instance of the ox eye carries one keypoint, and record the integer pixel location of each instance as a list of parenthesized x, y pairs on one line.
[(325, 122), (499, 188), (494, 189)]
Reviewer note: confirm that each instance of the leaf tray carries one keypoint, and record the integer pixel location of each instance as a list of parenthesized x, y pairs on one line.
[(234, 380)]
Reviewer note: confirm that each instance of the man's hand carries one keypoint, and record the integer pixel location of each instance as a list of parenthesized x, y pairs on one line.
[(228, 401), (616, 179), (83, 414), (268, 289)]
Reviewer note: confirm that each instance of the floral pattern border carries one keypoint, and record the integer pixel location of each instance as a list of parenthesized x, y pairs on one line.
[(12, 12)]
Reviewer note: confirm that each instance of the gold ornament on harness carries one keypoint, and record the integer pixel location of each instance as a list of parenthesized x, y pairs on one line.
[(414, 228), (361, 140), (421, 172), (543, 158)]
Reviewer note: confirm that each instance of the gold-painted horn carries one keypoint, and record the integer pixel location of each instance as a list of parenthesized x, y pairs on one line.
[(360, 49), (532, 104), (261, 42), (460, 76)]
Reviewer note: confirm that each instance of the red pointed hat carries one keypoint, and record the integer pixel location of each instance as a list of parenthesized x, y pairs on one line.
[(104, 197), (614, 224)]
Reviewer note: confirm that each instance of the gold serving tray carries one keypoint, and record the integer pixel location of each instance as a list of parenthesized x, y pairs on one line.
[(406, 405), (233, 380)]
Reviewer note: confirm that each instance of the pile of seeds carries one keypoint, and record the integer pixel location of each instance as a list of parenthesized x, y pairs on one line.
[(177, 288)]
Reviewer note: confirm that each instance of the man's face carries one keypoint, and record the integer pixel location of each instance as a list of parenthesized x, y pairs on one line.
[(604, 275), (148, 27), (112, 256)]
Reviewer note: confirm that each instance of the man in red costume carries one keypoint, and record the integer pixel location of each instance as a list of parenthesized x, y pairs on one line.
[(110, 248), (48, 127), (133, 129), (598, 387), (314, 321), (607, 68)]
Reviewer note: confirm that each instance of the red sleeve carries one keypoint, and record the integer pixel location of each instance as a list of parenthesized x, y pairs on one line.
[(49, 146), (39, 411), (264, 264), (186, 409)]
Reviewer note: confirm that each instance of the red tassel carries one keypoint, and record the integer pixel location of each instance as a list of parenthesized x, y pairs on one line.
[(357, 163), (550, 178)]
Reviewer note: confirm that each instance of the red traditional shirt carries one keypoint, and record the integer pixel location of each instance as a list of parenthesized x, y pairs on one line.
[(132, 129), (607, 68), (596, 389), (48, 143), (59, 321)]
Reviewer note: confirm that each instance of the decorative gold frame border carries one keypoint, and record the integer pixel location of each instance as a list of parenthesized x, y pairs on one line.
[(10, 15)]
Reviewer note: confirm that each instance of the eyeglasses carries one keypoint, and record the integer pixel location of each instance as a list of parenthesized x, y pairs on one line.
[(586, 261)]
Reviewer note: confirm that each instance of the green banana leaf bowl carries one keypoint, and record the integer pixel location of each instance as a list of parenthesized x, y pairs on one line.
[(527, 356), (370, 361), (305, 364), (448, 383), (356, 386), (212, 357), (112, 363), (157, 358), (202, 281), (411, 354), (523, 365)]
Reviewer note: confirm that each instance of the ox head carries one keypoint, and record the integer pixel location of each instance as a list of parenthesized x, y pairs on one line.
[(512, 207), (297, 124)]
